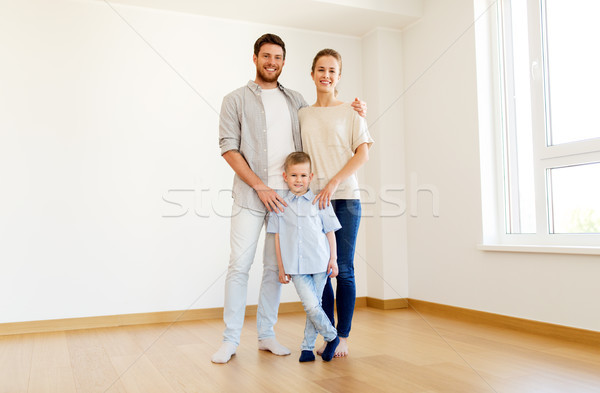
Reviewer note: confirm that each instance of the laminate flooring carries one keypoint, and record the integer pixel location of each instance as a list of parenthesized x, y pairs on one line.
[(390, 351)]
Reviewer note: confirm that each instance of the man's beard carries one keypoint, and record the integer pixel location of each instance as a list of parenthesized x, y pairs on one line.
[(268, 77)]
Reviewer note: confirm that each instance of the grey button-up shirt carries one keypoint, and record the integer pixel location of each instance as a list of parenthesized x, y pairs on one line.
[(243, 127)]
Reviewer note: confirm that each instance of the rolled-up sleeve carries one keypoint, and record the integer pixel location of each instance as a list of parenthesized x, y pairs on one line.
[(360, 132), (229, 126), (329, 219)]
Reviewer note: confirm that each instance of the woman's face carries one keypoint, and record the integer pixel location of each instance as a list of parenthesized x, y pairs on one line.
[(326, 74)]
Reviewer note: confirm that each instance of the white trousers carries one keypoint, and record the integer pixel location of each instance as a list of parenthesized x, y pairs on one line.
[(246, 225)]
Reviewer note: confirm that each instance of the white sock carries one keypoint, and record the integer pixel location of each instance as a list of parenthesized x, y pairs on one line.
[(224, 353), (271, 344)]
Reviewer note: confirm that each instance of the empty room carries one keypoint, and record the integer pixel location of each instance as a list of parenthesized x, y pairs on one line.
[(420, 213)]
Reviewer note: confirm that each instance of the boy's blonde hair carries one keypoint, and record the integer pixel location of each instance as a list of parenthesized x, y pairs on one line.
[(298, 157)]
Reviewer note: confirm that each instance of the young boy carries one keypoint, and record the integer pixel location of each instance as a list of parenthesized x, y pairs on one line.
[(306, 251)]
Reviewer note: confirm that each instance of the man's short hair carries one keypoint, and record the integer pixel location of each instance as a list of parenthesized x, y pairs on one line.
[(298, 157), (268, 39)]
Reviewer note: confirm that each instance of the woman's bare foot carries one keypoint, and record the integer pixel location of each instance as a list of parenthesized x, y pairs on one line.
[(342, 349), (320, 350)]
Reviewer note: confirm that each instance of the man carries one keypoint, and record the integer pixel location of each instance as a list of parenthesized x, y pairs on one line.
[(258, 128)]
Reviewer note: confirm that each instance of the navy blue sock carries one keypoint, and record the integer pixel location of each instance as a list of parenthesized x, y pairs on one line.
[(307, 356), (330, 349)]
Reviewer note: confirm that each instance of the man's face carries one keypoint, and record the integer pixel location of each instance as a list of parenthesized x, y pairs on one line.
[(269, 63)]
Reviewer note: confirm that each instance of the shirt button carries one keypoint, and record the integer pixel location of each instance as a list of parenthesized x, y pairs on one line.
[(265, 150), (265, 170), (264, 130)]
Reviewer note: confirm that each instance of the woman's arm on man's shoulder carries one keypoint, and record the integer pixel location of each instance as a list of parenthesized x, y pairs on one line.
[(360, 107)]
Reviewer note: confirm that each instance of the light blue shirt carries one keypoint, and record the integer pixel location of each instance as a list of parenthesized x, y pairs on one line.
[(302, 227)]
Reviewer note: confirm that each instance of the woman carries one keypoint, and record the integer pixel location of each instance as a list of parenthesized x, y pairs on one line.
[(338, 141)]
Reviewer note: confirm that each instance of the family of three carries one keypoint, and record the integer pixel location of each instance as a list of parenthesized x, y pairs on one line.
[(274, 142)]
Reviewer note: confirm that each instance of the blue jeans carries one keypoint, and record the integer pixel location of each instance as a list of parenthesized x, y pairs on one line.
[(310, 288), (348, 212)]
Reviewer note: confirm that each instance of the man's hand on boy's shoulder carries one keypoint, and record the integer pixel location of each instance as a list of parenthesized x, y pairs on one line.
[(271, 199)]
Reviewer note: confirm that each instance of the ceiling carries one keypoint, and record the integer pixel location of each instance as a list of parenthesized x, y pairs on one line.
[(348, 17)]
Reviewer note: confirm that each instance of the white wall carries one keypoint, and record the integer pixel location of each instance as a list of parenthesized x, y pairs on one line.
[(443, 149), (95, 129), (384, 201)]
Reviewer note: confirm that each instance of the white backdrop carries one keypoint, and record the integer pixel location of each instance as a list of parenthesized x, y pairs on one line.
[(442, 136), (97, 131)]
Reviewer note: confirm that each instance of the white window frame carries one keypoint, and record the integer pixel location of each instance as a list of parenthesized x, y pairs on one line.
[(493, 126)]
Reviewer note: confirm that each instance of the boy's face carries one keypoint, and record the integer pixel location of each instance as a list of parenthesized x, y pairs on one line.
[(298, 178)]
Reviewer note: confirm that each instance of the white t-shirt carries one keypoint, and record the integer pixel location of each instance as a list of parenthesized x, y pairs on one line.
[(331, 135), (280, 140)]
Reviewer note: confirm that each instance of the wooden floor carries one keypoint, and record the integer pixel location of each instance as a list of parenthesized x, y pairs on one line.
[(391, 351)]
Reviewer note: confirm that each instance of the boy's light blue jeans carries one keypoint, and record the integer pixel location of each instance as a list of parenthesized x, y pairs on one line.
[(310, 290)]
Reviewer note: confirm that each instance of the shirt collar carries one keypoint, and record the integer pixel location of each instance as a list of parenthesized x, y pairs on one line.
[(255, 87), (290, 196)]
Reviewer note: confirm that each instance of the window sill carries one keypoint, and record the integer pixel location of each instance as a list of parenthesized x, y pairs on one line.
[(577, 250)]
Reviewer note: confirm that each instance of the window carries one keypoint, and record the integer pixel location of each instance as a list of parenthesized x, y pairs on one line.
[(547, 124)]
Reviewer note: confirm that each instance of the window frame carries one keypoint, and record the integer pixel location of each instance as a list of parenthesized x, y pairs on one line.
[(495, 127)]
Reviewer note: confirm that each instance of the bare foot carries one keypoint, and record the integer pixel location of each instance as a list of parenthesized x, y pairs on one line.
[(342, 349), (320, 350)]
